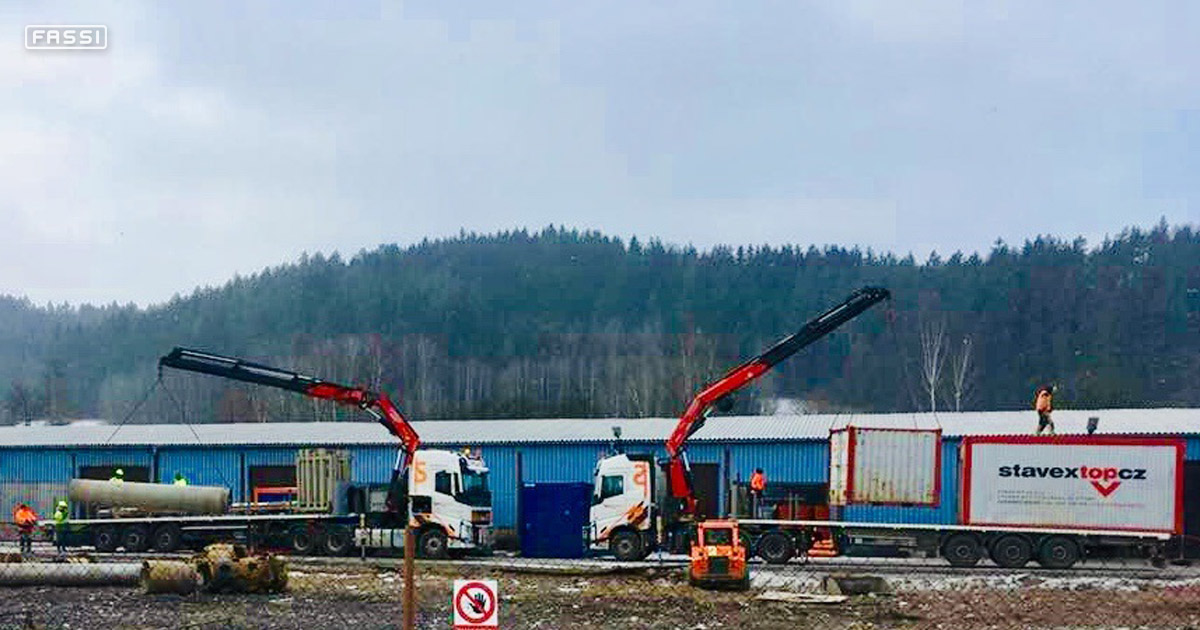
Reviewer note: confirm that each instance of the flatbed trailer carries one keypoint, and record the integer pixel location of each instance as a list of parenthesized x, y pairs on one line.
[(306, 533), (779, 541)]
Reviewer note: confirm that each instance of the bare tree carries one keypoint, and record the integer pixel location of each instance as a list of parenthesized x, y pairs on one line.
[(962, 371), (22, 403), (933, 358)]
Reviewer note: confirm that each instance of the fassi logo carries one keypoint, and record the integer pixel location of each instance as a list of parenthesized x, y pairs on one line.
[(1104, 479)]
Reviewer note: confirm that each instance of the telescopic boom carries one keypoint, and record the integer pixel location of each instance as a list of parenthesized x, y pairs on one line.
[(375, 403), (717, 393)]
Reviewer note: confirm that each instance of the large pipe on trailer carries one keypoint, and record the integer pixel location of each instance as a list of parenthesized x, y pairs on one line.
[(150, 497), (69, 574)]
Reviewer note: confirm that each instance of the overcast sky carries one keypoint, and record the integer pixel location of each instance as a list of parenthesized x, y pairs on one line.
[(214, 138)]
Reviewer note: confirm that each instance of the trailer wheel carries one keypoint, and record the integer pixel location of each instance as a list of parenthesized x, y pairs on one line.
[(432, 545), (303, 541), (1011, 551), (962, 550), (136, 538), (167, 538), (105, 539), (1058, 552), (338, 541), (776, 548), (626, 546)]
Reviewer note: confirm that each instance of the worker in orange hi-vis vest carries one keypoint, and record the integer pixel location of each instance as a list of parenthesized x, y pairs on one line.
[(26, 520), (758, 483), (1044, 404)]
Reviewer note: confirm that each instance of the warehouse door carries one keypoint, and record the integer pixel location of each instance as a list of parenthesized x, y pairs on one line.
[(278, 483), (104, 473), (707, 483), (1191, 508)]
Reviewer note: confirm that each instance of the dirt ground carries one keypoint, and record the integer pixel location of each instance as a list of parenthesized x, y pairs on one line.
[(368, 599)]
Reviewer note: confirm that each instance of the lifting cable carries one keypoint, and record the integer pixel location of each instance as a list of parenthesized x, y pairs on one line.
[(158, 382), (183, 419)]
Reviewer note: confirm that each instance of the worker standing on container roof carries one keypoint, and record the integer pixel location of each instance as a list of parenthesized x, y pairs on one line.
[(118, 476), (1044, 404), (180, 480), (758, 483)]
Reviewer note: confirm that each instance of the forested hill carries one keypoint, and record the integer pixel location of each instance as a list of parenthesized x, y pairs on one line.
[(566, 323)]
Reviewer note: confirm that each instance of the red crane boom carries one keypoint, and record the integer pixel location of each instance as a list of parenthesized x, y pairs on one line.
[(375, 403), (717, 393)]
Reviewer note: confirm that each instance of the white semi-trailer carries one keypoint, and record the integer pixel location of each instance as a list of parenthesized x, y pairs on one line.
[(1056, 500)]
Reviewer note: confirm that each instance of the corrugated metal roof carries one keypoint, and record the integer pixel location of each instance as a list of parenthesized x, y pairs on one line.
[(599, 430)]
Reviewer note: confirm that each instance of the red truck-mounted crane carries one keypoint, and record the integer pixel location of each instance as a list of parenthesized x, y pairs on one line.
[(717, 395), (375, 403), (629, 497), (452, 515)]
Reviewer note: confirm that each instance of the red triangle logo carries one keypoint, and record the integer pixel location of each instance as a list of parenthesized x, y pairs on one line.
[(1105, 490)]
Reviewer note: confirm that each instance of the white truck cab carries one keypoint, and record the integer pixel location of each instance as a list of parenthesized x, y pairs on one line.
[(449, 506), (623, 512)]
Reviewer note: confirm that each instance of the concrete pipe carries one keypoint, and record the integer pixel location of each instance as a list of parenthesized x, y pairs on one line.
[(64, 574), (150, 497), (169, 576)]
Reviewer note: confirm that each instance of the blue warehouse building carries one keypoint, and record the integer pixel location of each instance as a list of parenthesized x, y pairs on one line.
[(37, 462)]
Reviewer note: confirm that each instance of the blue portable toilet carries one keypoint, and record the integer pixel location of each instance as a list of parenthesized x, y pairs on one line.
[(553, 516)]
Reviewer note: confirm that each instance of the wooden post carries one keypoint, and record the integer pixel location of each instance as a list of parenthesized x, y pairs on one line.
[(409, 599)]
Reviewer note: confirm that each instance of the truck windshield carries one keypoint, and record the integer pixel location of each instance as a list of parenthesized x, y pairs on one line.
[(475, 489)]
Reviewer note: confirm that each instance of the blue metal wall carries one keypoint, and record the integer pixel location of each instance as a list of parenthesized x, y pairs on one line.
[(372, 464), (17, 465), (204, 467), (502, 479), (788, 462), (35, 476), (1192, 450)]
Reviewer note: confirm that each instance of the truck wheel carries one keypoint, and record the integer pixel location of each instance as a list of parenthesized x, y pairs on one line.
[(776, 548), (1058, 552), (338, 541), (105, 539), (136, 538), (303, 541), (166, 538), (432, 545), (626, 546), (962, 550), (1011, 551)]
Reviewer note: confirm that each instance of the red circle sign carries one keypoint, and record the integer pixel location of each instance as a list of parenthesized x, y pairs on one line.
[(479, 608)]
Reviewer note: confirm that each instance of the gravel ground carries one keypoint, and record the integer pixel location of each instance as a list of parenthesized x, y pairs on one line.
[(367, 599)]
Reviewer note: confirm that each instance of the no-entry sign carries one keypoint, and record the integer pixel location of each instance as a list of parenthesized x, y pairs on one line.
[(476, 604)]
